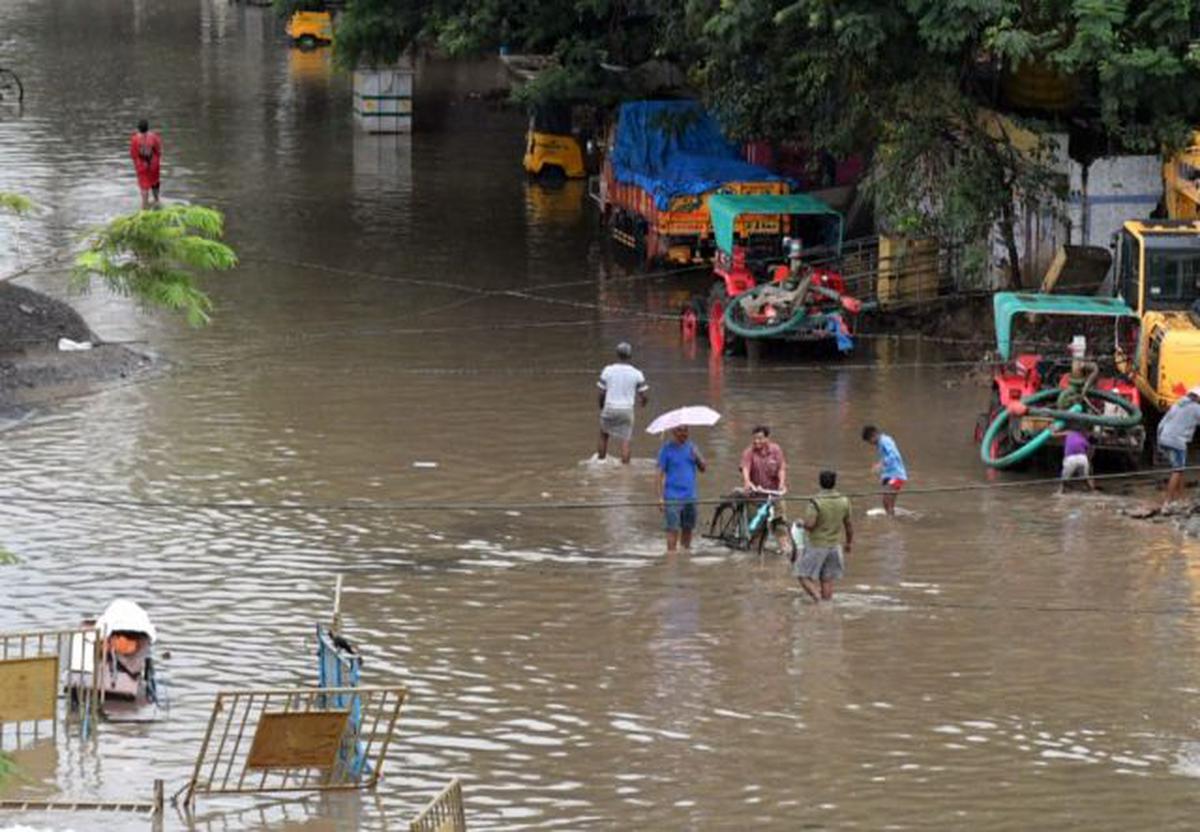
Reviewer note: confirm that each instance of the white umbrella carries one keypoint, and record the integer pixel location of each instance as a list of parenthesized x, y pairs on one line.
[(126, 616), (698, 415)]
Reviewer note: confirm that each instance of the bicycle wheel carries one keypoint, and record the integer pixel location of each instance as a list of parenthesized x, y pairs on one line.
[(10, 86), (759, 539), (729, 525)]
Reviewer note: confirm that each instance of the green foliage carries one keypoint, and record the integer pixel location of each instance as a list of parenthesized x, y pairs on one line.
[(7, 767), (581, 34), (379, 32), (944, 169), (152, 256), (15, 203), (285, 8)]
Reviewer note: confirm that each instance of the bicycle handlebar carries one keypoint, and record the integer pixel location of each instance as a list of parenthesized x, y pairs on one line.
[(766, 492)]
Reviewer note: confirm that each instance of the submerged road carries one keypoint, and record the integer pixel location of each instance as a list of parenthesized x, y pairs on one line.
[(1000, 660)]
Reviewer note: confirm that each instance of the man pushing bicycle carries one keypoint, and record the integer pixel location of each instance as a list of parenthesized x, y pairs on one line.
[(764, 469)]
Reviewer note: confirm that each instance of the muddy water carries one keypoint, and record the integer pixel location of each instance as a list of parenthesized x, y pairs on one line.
[(1001, 660)]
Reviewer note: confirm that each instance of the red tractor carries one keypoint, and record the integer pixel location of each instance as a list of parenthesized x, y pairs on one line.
[(785, 301), (1037, 395)]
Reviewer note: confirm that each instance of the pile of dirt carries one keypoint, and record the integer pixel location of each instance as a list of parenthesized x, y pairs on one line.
[(965, 321), (32, 366)]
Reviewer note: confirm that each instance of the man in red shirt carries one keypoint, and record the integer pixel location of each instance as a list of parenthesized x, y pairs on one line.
[(765, 469), (145, 148)]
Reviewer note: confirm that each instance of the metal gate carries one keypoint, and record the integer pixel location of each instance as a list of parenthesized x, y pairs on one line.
[(295, 739), (445, 813)]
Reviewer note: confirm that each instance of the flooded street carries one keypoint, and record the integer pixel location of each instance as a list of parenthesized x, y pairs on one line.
[(1004, 659)]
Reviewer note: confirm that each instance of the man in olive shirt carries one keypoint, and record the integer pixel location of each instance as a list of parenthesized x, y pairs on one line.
[(827, 520)]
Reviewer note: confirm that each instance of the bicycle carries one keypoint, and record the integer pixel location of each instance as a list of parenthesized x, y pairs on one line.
[(734, 524)]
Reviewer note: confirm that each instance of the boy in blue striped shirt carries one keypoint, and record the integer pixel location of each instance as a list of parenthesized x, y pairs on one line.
[(890, 467)]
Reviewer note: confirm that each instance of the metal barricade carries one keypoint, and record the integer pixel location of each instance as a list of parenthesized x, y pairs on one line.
[(445, 813), (295, 739), (35, 666)]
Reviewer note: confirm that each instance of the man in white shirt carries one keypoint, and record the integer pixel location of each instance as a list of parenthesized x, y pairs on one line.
[(622, 385)]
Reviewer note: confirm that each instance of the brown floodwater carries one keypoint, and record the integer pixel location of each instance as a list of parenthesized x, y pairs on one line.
[(999, 659)]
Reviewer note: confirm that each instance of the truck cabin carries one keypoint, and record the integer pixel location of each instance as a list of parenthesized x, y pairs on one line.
[(1158, 265), (766, 236), (1035, 335)]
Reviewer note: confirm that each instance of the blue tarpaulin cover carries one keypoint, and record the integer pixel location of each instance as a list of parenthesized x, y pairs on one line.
[(672, 148)]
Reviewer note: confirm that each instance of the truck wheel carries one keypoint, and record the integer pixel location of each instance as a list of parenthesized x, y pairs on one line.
[(650, 253)]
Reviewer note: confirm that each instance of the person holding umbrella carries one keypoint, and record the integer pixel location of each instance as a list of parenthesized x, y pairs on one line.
[(678, 462)]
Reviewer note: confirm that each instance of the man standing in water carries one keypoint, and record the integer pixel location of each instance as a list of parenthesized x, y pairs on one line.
[(764, 468), (621, 385), (145, 148), (890, 467), (678, 462), (1175, 433), (829, 536)]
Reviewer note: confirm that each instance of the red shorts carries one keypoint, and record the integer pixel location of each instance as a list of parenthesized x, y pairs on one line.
[(893, 484)]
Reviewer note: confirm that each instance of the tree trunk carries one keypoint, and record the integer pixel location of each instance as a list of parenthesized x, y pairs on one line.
[(1007, 219)]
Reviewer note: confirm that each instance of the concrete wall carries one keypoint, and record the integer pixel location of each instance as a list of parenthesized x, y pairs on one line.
[(1108, 192)]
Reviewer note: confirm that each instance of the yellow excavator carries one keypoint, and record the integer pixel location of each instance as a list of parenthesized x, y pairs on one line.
[(1181, 182), (1157, 273)]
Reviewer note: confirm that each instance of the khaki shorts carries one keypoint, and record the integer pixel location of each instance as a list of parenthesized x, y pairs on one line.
[(617, 423), (820, 563)]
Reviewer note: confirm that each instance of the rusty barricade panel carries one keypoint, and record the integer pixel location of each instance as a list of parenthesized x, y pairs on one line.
[(29, 689), (35, 667), (445, 813), (295, 739)]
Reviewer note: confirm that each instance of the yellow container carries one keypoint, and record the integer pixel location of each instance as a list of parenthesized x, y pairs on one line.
[(1036, 85), (908, 270)]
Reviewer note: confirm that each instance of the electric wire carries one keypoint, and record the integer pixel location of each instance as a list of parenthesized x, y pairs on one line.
[(366, 506)]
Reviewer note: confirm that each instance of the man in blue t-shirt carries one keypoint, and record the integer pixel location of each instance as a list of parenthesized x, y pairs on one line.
[(678, 462)]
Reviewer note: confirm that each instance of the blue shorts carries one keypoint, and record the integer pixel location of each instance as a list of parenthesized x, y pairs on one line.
[(1175, 457), (680, 514)]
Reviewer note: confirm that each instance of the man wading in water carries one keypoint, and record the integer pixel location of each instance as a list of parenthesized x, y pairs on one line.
[(145, 148), (829, 535), (678, 462), (764, 468), (1175, 433), (621, 385)]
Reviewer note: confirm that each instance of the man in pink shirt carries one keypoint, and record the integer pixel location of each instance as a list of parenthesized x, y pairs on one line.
[(765, 469)]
